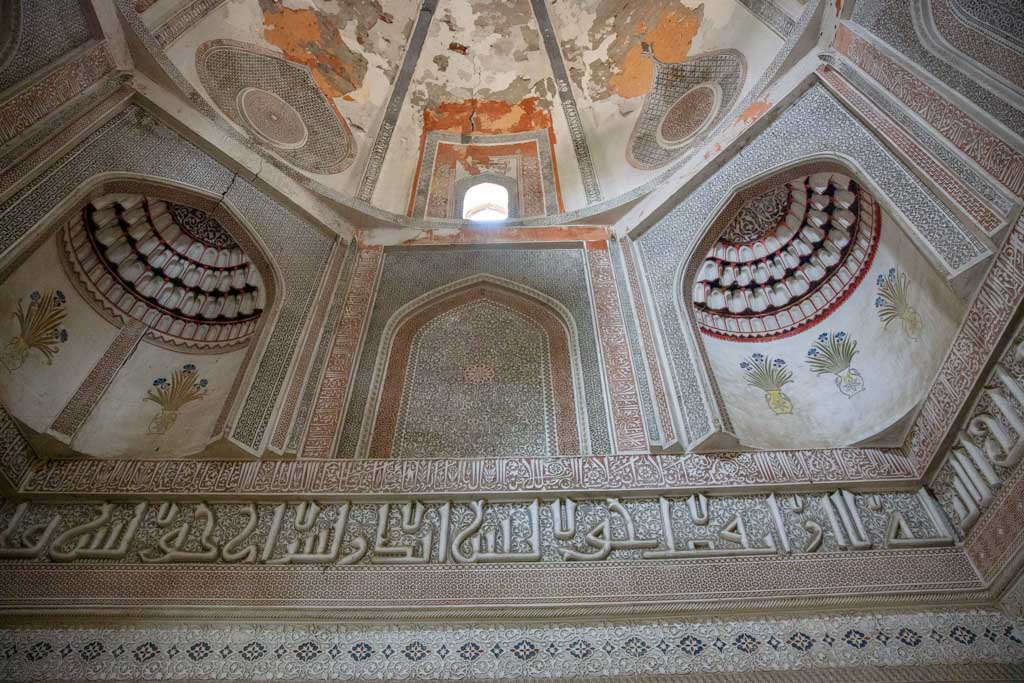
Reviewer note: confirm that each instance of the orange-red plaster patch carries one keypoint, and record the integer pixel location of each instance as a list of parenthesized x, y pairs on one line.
[(487, 117), (755, 111), (670, 38)]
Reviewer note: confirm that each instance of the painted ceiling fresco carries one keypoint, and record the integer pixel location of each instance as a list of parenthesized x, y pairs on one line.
[(620, 90)]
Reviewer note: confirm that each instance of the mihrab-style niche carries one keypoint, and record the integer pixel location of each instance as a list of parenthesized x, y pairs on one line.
[(169, 266), (787, 258)]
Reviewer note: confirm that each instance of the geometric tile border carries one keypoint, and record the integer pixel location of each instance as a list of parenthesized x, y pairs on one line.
[(827, 645)]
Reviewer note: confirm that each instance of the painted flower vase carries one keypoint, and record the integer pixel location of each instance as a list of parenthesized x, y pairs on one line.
[(849, 382), (779, 402), (14, 353), (162, 421), (912, 323)]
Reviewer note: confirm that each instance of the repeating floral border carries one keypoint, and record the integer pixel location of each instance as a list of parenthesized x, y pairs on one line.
[(464, 652)]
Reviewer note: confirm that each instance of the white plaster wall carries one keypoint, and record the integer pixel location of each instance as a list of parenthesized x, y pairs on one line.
[(897, 371), (36, 392), (118, 425)]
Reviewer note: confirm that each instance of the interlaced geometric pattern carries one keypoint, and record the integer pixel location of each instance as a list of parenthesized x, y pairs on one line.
[(277, 101), (685, 101)]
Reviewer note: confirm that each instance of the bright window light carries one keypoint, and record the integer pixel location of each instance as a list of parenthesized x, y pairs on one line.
[(485, 202)]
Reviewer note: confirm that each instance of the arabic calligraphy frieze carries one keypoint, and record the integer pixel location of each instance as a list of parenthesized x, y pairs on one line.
[(468, 532)]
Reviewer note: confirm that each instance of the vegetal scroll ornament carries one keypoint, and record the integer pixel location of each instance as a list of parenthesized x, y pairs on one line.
[(833, 354), (172, 396), (39, 327), (769, 375), (893, 303)]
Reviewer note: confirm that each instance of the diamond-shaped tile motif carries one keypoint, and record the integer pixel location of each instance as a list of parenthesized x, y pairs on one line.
[(663, 646), (608, 648), (497, 650), (580, 649), (225, 651), (388, 651), (280, 651), (470, 651), (525, 650), (691, 645), (362, 651), (828, 639), (909, 637), (551, 649), (800, 641), (774, 642), (443, 651), (746, 643), (66, 650), (963, 635), (38, 651), (882, 637), (719, 644), (253, 650), (118, 651)]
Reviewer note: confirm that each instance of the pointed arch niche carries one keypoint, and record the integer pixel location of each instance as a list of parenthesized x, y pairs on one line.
[(819, 322), (482, 367), (140, 308)]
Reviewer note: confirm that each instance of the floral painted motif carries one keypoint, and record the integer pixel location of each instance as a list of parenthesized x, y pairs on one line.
[(893, 303), (39, 328), (172, 396), (833, 354), (769, 375)]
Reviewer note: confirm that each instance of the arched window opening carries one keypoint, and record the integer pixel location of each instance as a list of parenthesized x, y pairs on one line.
[(485, 202)]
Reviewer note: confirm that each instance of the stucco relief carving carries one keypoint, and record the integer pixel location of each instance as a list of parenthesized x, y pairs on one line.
[(988, 448), (478, 531)]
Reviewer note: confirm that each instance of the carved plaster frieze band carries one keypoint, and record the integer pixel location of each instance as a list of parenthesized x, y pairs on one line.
[(96, 383), (462, 476), (474, 532), (986, 320), (623, 394), (961, 646), (325, 422), (972, 138), (989, 220), (55, 89)]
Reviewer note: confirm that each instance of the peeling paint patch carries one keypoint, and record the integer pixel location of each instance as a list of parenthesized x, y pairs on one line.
[(670, 38), (755, 111), (487, 117)]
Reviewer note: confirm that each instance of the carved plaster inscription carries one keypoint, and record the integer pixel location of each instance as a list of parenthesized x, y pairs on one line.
[(469, 532)]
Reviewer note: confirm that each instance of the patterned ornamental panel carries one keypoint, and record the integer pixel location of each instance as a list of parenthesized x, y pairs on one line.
[(687, 101), (497, 359), (278, 102), (840, 648), (36, 33)]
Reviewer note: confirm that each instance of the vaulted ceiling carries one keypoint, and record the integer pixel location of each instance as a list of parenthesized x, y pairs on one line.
[(392, 102)]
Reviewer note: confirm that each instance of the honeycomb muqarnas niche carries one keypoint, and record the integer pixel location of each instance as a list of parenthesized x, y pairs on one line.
[(511, 339), (137, 311), (811, 297)]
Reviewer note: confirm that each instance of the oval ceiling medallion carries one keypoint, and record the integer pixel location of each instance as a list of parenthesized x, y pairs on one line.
[(277, 101), (690, 115), (272, 118), (787, 258), (685, 102)]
